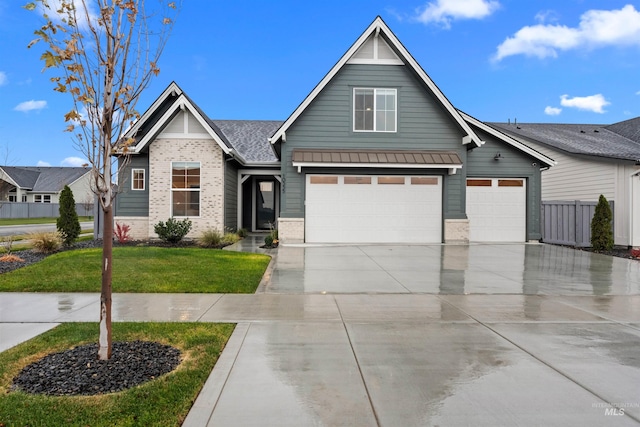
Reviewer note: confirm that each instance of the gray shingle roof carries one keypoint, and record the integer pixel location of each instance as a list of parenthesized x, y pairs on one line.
[(594, 140), (44, 179), (250, 138)]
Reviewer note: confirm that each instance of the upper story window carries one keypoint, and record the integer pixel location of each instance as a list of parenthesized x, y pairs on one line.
[(137, 179), (374, 110), (185, 189)]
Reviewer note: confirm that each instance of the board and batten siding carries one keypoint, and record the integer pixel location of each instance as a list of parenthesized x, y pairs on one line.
[(512, 164), (422, 124), (133, 202)]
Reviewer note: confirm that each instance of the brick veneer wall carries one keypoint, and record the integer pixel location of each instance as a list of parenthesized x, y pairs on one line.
[(164, 151)]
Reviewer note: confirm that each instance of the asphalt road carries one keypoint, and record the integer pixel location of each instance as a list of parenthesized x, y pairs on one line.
[(18, 230)]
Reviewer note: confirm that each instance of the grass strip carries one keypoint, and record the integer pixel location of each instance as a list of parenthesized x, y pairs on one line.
[(164, 401), (142, 269)]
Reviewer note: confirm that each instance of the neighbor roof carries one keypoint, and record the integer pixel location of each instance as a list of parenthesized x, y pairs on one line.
[(593, 140), (44, 179)]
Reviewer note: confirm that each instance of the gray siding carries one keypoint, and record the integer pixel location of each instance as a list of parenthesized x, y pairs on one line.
[(423, 124), (129, 202), (512, 164), (230, 196)]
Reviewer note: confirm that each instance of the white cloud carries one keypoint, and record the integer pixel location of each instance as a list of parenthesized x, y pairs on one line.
[(41, 163), (638, 92), (3, 78), (597, 28), (27, 106), (73, 161), (81, 12), (594, 103), (552, 111), (445, 11)]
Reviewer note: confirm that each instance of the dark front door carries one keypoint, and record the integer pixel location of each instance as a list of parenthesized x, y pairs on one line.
[(265, 203)]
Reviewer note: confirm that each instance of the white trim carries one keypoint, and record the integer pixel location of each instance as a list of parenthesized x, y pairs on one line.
[(243, 175), (375, 110), (144, 179), (452, 167), (509, 140), (170, 90), (167, 135), (377, 25)]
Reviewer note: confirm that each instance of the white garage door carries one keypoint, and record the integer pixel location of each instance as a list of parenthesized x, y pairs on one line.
[(497, 210), (373, 209)]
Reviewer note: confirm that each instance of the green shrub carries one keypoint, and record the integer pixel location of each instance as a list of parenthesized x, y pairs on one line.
[(601, 233), (230, 238), (242, 233), (173, 230), (268, 240), (45, 243), (67, 223), (210, 238)]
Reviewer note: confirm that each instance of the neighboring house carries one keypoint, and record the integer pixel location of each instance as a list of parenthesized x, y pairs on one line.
[(375, 153), (43, 184), (592, 160)]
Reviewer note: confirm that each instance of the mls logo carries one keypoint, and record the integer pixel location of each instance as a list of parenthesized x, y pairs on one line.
[(614, 411)]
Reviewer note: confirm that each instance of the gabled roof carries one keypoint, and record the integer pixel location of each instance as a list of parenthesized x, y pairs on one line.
[(628, 128), (378, 26), (590, 140), (44, 179), (509, 140), (250, 138)]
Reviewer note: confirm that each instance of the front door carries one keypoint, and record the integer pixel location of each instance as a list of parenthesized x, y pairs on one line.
[(265, 203)]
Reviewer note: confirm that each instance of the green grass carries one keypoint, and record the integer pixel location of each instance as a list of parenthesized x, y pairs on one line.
[(27, 221), (164, 401), (142, 269)]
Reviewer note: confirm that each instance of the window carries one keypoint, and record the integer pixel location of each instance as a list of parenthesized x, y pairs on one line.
[(24, 198), (357, 180), (12, 197), (46, 198), (323, 180), (137, 179), (185, 189), (39, 198), (374, 110), (383, 180)]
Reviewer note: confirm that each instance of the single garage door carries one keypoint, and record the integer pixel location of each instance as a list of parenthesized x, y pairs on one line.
[(373, 209), (496, 209)]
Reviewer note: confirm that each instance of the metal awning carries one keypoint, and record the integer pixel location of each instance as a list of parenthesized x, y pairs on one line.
[(405, 159)]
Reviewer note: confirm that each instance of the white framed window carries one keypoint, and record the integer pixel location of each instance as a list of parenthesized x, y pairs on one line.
[(374, 110), (12, 197), (185, 189), (137, 179), (24, 198), (37, 198), (40, 198)]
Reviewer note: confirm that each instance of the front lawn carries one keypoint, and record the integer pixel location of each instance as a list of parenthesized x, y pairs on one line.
[(164, 401), (142, 269)]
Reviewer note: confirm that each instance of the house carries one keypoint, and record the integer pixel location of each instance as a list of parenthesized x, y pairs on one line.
[(592, 160), (41, 184), (375, 153)]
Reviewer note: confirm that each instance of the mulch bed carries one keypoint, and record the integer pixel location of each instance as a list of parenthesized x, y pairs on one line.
[(77, 372)]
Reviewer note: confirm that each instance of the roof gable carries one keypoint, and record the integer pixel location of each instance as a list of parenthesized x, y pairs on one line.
[(44, 179), (364, 49)]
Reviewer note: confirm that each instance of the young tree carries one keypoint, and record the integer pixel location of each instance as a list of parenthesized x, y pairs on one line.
[(601, 233), (67, 223), (106, 52)]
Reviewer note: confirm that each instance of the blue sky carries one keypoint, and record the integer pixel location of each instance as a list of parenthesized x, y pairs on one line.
[(568, 61)]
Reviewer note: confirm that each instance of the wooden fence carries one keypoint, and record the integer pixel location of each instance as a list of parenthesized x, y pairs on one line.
[(568, 222)]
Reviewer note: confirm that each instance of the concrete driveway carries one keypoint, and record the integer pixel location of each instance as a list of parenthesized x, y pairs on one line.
[(407, 336)]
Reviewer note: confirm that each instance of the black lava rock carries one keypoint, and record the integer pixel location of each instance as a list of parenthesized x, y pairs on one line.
[(79, 372)]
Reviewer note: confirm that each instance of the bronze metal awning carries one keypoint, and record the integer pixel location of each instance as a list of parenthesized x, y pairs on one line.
[(418, 159)]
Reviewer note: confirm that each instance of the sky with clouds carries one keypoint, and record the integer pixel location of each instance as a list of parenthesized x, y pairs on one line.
[(569, 61)]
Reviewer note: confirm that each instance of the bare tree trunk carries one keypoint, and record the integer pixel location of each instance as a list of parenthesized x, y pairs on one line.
[(104, 352)]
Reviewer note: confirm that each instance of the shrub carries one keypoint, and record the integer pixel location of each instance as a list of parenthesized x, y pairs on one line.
[(67, 223), (242, 233), (210, 238), (173, 230), (45, 243), (268, 240), (230, 238), (122, 232), (601, 233)]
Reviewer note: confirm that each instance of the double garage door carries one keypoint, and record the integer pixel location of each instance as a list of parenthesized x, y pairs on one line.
[(408, 209)]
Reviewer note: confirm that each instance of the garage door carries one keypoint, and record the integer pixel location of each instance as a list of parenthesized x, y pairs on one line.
[(497, 210), (373, 209)]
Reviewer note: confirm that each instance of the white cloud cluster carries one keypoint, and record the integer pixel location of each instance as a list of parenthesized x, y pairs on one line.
[(444, 11), (73, 161), (593, 103), (81, 12), (552, 111), (27, 106), (3, 78), (597, 28)]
